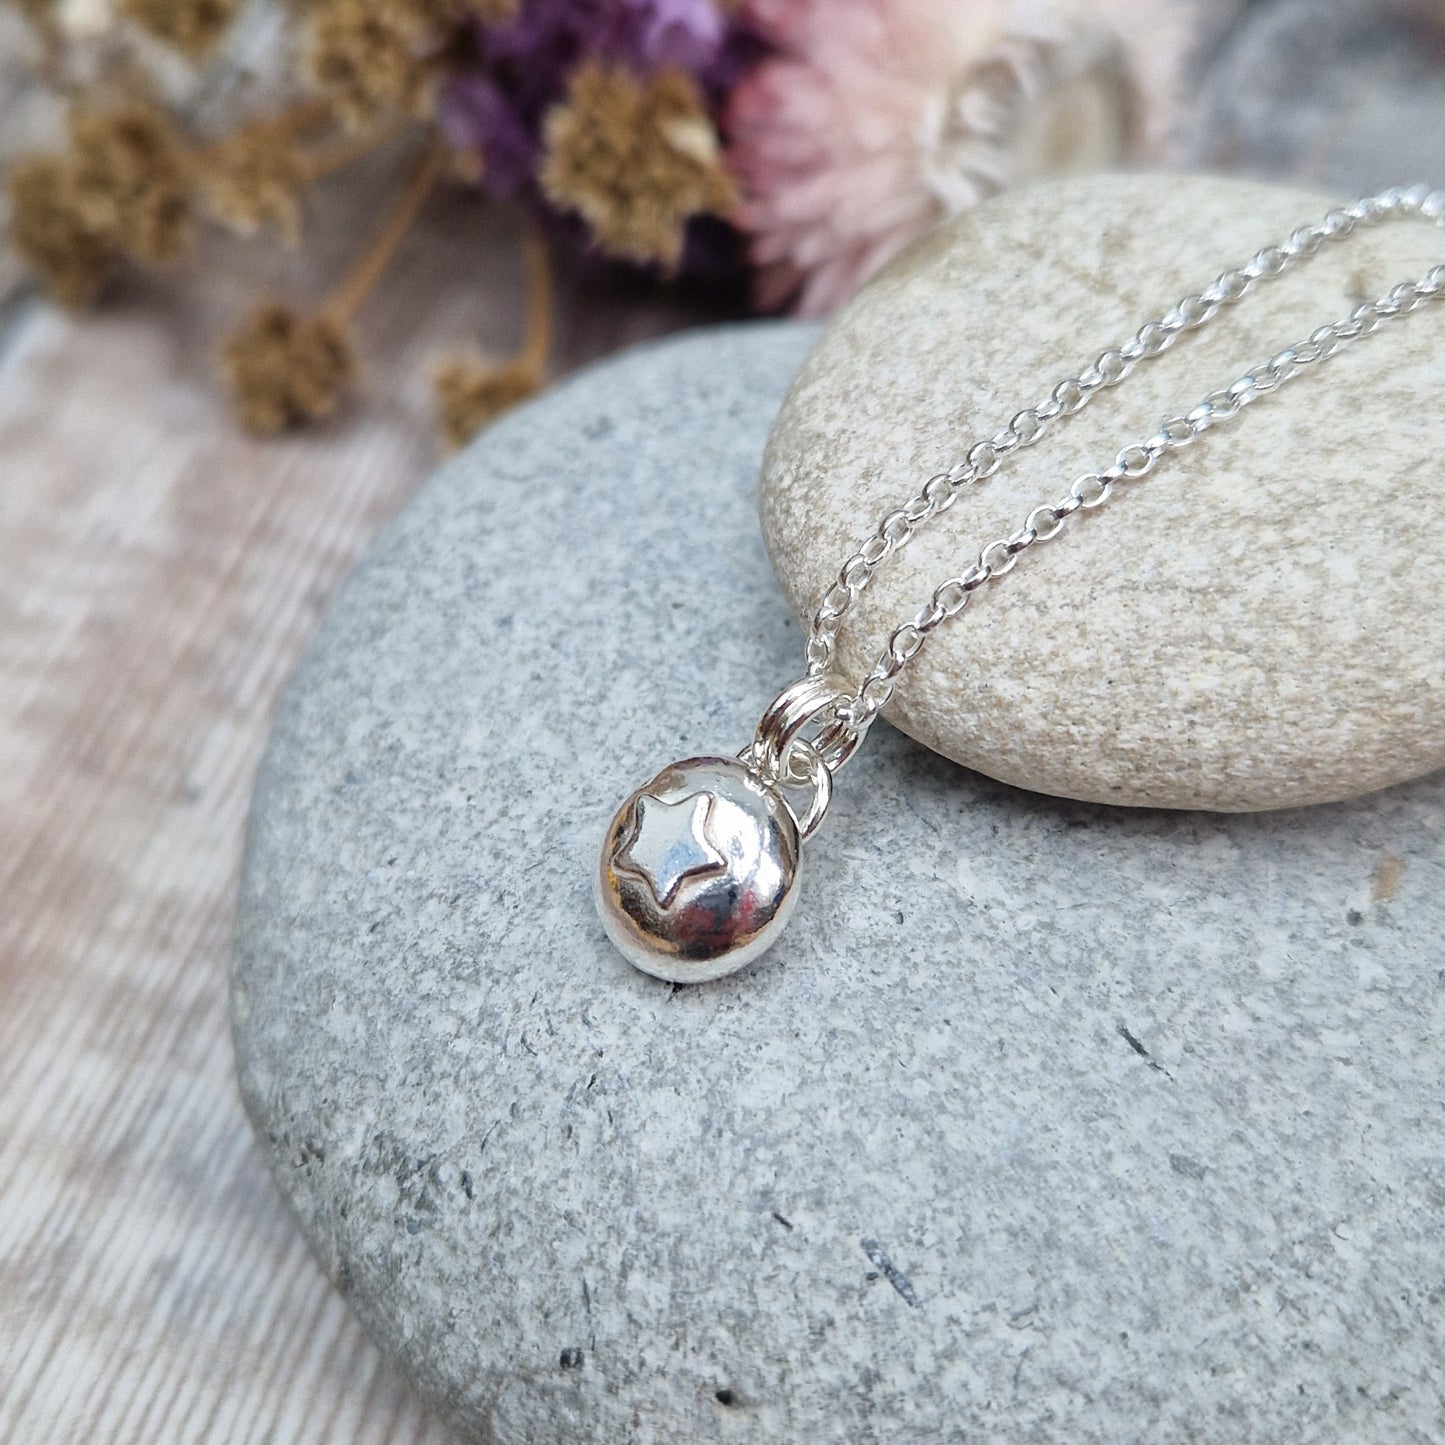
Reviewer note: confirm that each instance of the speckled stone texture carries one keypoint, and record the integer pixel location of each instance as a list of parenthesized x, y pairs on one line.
[(1254, 626), (1046, 1124)]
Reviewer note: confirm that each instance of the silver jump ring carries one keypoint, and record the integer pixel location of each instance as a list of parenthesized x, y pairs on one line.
[(837, 742), (782, 725), (819, 778)]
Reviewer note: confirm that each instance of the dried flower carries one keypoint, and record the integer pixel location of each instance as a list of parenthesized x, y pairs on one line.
[(681, 34), (636, 159), (131, 178), (123, 188), (53, 234), (191, 26), (431, 17), (286, 369), (472, 392), (497, 101), (253, 181), (860, 133), (368, 56)]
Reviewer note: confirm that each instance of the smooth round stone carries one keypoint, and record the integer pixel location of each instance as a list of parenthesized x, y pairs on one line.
[(1253, 626), (1043, 1123)]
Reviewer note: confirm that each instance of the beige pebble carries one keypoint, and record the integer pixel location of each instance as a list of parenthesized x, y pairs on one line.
[(1257, 624)]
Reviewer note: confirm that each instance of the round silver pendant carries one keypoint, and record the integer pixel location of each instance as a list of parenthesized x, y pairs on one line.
[(699, 871)]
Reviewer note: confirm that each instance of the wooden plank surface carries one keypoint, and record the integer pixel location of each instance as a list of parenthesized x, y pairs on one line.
[(159, 575)]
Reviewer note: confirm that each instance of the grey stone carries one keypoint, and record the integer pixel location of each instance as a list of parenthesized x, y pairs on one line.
[(1045, 1122), (1348, 94), (1254, 625)]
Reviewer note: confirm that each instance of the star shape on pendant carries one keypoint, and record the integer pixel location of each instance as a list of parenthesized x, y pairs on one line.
[(669, 844)]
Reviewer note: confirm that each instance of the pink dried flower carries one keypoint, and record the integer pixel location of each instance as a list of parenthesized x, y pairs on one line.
[(878, 117)]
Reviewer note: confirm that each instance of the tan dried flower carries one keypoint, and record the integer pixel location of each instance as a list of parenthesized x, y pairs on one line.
[(435, 17), (123, 188), (472, 392), (131, 179), (191, 26), (368, 56), (636, 159), (53, 233), (253, 181), (285, 369)]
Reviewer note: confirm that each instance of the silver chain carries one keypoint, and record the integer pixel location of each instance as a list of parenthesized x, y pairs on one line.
[(699, 866), (782, 750)]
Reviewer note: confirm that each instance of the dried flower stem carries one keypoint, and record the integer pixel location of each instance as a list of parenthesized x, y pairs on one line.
[(472, 391), (537, 341), (358, 283), (305, 115), (286, 368), (326, 162), (50, 52)]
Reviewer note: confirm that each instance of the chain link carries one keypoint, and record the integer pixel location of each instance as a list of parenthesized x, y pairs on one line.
[(845, 718)]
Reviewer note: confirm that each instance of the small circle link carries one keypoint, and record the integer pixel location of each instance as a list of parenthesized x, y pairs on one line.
[(938, 490), (1135, 460), (1195, 311), (1154, 338), (875, 693), (805, 767), (930, 616), (904, 644), (984, 459), (1027, 426), (1044, 523), (1006, 562), (1070, 395), (1090, 490), (896, 528), (952, 597)]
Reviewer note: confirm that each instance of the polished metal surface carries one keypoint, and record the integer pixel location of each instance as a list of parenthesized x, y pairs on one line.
[(699, 870), (664, 887)]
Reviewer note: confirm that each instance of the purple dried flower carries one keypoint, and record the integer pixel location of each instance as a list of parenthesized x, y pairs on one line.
[(685, 34), (496, 103), (477, 115)]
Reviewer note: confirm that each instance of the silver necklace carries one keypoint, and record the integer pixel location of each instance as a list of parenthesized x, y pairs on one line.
[(699, 867)]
